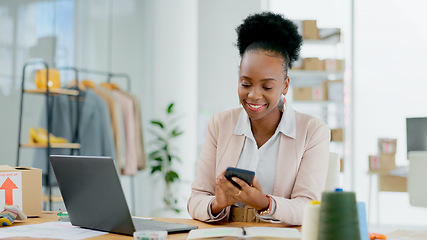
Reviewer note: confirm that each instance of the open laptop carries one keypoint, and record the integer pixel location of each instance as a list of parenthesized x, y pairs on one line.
[(94, 198)]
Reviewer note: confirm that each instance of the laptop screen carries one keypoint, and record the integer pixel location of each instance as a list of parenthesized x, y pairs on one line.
[(416, 134), (92, 193)]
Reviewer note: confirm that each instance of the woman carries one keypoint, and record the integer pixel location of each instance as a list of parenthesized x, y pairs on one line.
[(288, 150)]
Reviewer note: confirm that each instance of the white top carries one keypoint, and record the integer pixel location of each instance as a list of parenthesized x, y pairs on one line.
[(262, 160)]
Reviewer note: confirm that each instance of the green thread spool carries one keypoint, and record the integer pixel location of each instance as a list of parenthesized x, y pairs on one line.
[(338, 216)]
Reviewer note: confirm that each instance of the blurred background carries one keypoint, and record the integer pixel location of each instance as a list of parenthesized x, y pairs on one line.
[(361, 72)]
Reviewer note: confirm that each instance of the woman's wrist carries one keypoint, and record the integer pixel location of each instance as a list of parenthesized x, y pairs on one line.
[(265, 203), (268, 209), (215, 208)]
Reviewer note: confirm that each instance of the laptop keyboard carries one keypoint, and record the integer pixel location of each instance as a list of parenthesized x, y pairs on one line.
[(146, 224)]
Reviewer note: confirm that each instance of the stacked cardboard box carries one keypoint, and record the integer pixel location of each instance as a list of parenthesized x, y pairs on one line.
[(337, 135), (316, 64), (309, 30), (332, 90), (331, 64), (385, 160), (307, 93), (383, 163), (312, 63)]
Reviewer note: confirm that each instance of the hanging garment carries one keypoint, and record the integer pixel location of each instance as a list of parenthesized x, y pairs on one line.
[(112, 107), (129, 127), (141, 156), (121, 160), (94, 127)]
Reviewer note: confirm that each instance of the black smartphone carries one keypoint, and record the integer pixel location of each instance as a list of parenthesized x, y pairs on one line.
[(245, 175)]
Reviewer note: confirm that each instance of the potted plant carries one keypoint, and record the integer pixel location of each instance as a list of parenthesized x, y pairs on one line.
[(163, 156)]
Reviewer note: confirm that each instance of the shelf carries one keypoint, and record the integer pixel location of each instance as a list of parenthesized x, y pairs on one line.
[(45, 198), (327, 41), (314, 73), (319, 102), (52, 145), (54, 91)]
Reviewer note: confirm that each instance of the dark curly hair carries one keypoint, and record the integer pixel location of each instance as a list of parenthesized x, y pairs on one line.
[(271, 32)]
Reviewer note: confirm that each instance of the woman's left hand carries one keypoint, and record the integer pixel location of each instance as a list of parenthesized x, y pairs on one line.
[(250, 195)]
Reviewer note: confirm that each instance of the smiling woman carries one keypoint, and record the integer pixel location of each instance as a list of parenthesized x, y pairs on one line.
[(286, 149)]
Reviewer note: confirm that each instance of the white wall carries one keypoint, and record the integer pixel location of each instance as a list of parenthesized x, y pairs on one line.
[(174, 77), (219, 58), (390, 83)]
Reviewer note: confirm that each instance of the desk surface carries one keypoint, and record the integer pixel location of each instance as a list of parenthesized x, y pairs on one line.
[(51, 216)]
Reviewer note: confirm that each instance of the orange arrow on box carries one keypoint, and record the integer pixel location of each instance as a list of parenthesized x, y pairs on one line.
[(8, 186)]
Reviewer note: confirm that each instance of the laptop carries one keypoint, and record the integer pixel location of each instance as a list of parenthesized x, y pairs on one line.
[(94, 198)]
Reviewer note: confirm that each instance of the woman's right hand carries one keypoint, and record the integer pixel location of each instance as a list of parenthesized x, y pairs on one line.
[(221, 200)]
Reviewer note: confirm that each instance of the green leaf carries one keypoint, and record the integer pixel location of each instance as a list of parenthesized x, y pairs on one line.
[(170, 108), (176, 132), (171, 176), (176, 210), (165, 147), (156, 168), (158, 123), (154, 154), (159, 159), (169, 158)]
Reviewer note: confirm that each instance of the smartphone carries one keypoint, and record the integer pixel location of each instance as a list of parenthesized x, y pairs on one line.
[(245, 175)]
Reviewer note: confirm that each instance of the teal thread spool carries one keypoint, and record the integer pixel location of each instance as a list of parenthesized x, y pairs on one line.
[(338, 216)]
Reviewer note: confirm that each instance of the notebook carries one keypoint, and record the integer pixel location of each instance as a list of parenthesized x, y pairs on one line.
[(93, 196), (245, 233)]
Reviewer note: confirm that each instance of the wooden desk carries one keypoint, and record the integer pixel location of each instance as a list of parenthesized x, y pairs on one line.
[(51, 216)]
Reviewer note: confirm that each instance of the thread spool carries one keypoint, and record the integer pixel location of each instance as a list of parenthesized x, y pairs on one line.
[(310, 221), (338, 217)]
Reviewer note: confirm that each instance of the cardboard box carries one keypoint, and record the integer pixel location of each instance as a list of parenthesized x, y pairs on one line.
[(382, 163), (307, 93), (333, 65), (339, 65), (374, 163), (302, 93), (317, 93), (309, 29), (333, 90), (321, 66), (311, 64), (330, 34), (392, 183), (21, 186), (387, 145), (337, 135)]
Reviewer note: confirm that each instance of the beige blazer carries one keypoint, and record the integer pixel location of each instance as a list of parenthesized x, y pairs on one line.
[(301, 170)]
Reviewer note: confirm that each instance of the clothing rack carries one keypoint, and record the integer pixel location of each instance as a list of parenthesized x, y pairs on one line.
[(109, 76), (47, 93), (77, 93)]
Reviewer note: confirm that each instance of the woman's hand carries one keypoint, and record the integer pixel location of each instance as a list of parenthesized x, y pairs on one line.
[(221, 200), (250, 195)]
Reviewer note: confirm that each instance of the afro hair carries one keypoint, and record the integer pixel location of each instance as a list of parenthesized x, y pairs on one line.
[(271, 32)]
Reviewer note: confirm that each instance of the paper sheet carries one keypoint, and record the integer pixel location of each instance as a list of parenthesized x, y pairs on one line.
[(56, 230)]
